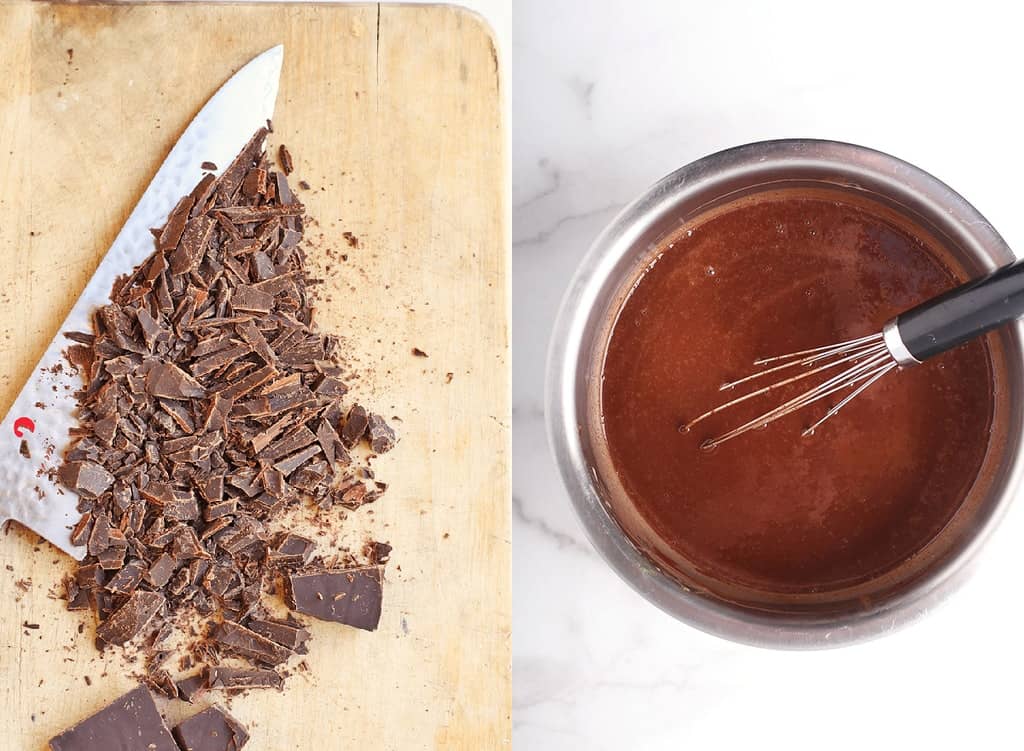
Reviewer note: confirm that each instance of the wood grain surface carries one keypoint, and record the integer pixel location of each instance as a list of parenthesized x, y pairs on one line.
[(393, 116)]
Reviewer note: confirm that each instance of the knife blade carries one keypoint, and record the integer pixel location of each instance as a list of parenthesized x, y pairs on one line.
[(34, 434)]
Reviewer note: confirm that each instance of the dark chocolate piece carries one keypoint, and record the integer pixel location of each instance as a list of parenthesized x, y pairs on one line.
[(161, 569), (131, 723), (172, 382), (228, 678), (378, 552), (292, 550), (88, 479), (292, 636), (191, 687), (355, 426), (350, 596), (131, 618), (213, 729), (242, 641), (285, 157), (382, 437)]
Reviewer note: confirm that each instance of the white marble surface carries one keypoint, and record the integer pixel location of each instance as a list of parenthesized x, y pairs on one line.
[(606, 97)]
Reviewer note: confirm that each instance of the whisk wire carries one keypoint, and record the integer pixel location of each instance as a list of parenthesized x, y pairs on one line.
[(870, 359)]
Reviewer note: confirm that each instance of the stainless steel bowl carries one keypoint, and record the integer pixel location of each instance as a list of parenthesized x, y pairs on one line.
[(618, 258)]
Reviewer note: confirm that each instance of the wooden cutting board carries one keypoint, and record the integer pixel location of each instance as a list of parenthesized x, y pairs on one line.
[(393, 116)]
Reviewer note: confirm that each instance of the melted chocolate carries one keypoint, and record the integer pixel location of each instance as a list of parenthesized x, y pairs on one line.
[(772, 510)]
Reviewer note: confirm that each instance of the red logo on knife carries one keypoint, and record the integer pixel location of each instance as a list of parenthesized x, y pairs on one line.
[(22, 424)]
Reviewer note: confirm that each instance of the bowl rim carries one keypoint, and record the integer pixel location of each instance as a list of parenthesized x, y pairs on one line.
[(565, 423)]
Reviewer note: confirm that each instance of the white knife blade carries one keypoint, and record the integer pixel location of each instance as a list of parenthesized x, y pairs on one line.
[(42, 415)]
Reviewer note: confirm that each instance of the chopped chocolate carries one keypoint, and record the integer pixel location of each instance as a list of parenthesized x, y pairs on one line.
[(170, 381), (378, 552), (285, 157), (80, 532), (240, 640), (127, 579), (190, 251), (355, 426), (292, 636), (419, 352), (251, 299), (292, 550), (88, 479), (131, 618), (382, 437), (160, 571), (130, 723), (208, 166), (349, 596), (211, 405), (229, 678), (24, 450), (213, 729), (191, 686), (99, 538)]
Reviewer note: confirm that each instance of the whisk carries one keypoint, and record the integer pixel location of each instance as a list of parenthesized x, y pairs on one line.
[(929, 329)]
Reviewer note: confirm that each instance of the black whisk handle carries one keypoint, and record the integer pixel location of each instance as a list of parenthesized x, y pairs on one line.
[(957, 316)]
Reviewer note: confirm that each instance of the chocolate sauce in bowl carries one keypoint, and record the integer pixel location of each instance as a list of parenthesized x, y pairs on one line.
[(771, 510)]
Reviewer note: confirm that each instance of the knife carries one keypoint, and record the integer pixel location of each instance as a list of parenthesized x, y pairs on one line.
[(34, 434)]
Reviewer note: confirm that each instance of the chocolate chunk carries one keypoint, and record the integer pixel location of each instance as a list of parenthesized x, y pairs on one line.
[(355, 426), (251, 299), (285, 157), (289, 635), (88, 479), (192, 247), (292, 550), (349, 596), (208, 166), (191, 687), (80, 532), (160, 570), (171, 233), (382, 437), (170, 381), (99, 538), (211, 404), (212, 729), (131, 618), (112, 558), (255, 183), (378, 552), (90, 576), (289, 464), (127, 579), (240, 640), (131, 723), (331, 387), (232, 177), (229, 678)]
